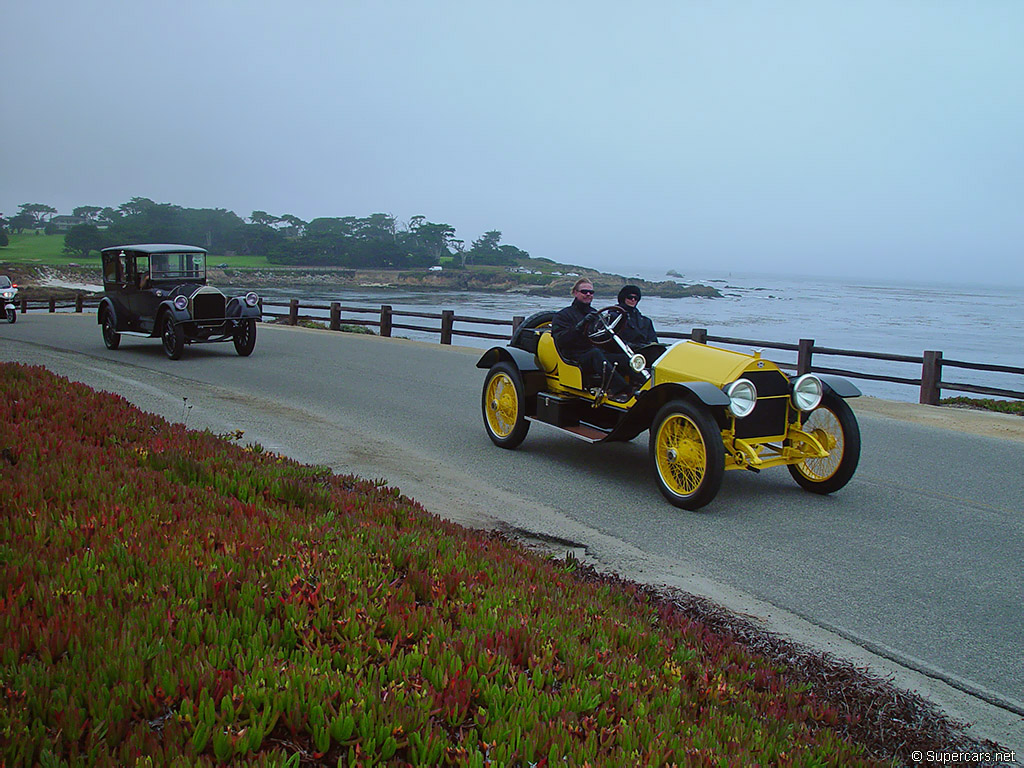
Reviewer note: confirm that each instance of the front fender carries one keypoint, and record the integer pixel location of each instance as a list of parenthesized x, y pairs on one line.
[(838, 385), (649, 403), (168, 308), (106, 305), (236, 308)]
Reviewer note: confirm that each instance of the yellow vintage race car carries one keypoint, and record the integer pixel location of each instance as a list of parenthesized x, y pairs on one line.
[(708, 409)]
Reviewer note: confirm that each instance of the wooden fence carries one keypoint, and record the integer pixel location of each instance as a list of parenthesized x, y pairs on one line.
[(386, 319)]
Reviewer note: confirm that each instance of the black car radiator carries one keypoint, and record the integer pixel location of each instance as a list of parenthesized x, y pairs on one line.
[(772, 409), (208, 306)]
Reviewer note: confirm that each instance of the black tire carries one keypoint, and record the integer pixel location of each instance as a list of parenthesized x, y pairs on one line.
[(111, 337), (503, 404), (12, 315), (172, 336), (687, 454), (832, 422), (245, 337)]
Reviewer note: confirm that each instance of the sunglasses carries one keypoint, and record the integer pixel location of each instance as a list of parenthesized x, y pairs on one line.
[(585, 292), (631, 298)]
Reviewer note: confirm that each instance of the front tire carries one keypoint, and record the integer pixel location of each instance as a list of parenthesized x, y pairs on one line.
[(12, 315), (173, 337), (504, 406), (835, 426), (111, 338), (245, 337), (687, 454)]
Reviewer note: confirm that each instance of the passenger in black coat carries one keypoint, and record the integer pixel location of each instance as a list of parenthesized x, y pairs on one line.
[(574, 346), (636, 329)]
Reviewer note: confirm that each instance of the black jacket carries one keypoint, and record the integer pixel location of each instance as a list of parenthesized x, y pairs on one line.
[(636, 329), (570, 340)]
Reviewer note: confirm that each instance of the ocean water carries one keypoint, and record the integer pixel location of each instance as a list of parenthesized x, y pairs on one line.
[(978, 324)]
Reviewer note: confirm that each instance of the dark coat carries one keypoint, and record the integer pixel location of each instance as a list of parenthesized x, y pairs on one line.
[(570, 340), (636, 329)]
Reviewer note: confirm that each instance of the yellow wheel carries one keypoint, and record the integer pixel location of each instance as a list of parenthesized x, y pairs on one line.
[(833, 424), (687, 454), (504, 406)]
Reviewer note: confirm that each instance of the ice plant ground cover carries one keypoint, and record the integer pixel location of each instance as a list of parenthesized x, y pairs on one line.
[(168, 597)]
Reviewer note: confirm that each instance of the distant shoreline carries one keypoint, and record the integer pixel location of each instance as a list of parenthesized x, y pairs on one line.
[(37, 282)]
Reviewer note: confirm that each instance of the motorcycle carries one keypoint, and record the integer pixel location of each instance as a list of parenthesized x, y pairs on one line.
[(8, 293)]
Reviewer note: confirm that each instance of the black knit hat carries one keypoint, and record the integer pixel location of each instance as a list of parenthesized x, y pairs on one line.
[(629, 290)]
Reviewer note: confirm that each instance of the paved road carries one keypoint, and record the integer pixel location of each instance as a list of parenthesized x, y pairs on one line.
[(918, 560)]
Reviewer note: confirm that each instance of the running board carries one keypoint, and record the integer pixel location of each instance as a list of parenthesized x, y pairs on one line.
[(582, 431)]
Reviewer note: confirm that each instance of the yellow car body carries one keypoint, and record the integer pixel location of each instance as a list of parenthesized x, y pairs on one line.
[(708, 410)]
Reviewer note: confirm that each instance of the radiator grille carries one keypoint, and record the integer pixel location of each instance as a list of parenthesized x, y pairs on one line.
[(208, 306), (767, 420)]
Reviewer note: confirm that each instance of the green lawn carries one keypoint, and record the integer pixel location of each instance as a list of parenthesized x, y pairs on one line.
[(47, 250)]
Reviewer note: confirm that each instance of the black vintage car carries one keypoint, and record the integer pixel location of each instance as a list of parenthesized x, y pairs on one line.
[(161, 291)]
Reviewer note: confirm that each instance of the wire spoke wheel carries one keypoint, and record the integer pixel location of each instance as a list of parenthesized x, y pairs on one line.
[(503, 406), (834, 426), (687, 453)]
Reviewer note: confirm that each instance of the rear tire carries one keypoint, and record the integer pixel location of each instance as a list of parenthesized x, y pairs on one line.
[(687, 454), (173, 337), (834, 424), (504, 406), (245, 337)]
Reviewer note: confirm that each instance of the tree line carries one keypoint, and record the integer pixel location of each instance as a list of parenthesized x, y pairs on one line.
[(378, 241)]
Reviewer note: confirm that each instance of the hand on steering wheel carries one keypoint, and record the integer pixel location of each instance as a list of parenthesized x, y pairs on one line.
[(599, 326)]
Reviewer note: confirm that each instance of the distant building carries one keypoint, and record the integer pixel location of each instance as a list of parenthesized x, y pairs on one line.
[(64, 223)]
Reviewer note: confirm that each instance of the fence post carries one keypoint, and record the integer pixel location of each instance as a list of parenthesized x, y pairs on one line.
[(700, 335), (78, 303), (24, 305), (53, 304), (385, 320), (293, 312), (516, 322), (335, 316), (447, 320), (931, 377), (803, 356)]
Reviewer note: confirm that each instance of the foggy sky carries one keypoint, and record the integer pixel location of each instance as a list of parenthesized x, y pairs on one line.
[(867, 139)]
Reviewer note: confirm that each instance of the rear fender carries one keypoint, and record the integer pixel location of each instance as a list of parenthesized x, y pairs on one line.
[(521, 359), (534, 379)]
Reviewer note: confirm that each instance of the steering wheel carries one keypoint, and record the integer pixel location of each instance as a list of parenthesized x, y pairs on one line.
[(600, 325)]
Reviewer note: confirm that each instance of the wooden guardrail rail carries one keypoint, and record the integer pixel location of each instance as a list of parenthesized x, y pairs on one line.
[(386, 319)]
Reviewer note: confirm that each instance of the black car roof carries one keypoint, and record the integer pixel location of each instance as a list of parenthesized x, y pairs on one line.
[(156, 248)]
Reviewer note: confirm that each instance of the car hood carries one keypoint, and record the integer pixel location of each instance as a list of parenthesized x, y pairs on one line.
[(690, 361), (187, 289)]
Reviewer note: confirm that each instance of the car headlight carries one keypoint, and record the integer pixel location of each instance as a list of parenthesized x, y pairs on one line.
[(181, 303), (742, 397), (251, 299), (807, 392)]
